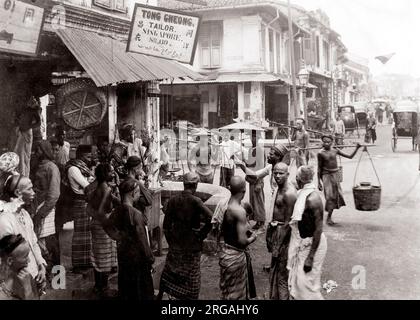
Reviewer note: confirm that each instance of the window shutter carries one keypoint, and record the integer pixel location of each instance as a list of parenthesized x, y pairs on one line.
[(307, 51), (205, 45), (216, 40)]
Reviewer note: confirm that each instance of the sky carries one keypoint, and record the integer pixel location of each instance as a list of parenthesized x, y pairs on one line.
[(370, 28)]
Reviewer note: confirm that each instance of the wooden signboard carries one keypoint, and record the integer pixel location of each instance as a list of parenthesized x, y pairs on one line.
[(163, 33), (20, 27)]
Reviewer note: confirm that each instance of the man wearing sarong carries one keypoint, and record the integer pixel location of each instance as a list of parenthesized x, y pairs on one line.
[(126, 225), (47, 189), (187, 223), (256, 162), (308, 244), (301, 142), (79, 176), (256, 183), (101, 201), (328, 178), (236, 275), (278, 232)]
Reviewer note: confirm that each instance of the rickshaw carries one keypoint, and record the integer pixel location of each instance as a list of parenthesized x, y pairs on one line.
[(405, 122), (361, 109), (348, 115)]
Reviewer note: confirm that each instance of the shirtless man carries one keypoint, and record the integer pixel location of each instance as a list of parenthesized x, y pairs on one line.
[(278, 232), (328, 178), (236, 275), (308, 244), (277, 154), (301, 140)]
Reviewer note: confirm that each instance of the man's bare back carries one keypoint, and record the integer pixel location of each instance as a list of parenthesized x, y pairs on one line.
[(235, 225)]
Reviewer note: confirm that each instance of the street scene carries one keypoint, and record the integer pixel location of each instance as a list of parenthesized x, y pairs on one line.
[(208, 150)]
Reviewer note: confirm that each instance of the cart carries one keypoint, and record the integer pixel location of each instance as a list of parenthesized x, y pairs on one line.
[(405, 122)]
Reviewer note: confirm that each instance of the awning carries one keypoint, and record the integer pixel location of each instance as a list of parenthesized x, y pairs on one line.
[(107, 62), (232, 78)]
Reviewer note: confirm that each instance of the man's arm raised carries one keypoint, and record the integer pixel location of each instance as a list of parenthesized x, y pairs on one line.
[(349, 156)]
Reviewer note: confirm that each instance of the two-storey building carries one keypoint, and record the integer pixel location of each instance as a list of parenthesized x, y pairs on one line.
[(242, 53)]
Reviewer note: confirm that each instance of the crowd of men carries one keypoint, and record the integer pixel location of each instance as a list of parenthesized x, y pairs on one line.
[(106, 198)]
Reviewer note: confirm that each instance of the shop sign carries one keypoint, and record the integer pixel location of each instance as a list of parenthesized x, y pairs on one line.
[(20, 27), (163, 33)]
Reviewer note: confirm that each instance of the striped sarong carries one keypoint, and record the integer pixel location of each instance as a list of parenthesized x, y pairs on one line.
[(236, 275), (82, 243), (47, 225), (181, 276), (279, 275), (104, 249)]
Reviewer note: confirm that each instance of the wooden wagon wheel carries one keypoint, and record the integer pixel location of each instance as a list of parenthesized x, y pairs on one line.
[(82, 104)]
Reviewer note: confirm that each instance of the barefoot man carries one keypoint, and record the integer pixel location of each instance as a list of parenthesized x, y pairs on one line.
[(308, 244), (328, 178), (236, 275), (278, 232)]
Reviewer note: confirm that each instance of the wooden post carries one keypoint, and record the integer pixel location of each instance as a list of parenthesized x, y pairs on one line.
[(292, 60)]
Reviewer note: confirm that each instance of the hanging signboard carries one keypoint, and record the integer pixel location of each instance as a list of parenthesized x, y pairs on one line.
[(163, 33), (20, 27)]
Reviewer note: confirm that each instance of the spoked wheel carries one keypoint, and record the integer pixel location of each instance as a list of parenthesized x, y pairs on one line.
[(394, 144)]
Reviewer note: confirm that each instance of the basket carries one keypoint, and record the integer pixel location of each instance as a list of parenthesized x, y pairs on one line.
[(367, 197)]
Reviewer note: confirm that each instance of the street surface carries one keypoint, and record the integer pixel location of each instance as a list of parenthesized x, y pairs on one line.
[(385, 244)]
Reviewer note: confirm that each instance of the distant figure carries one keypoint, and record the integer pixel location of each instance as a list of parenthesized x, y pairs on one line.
[(61, 148), (308, 244), (26, 121), (187, 223), (339, 130), (278, 232), (301, 142), (236, 274), (200, 156), (371, 127), (328, 179), (228, 150)]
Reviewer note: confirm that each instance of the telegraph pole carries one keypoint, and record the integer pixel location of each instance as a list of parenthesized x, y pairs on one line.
[(292, 61)]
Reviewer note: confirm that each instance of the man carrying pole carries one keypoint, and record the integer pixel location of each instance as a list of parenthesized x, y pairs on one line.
[(328, 179)]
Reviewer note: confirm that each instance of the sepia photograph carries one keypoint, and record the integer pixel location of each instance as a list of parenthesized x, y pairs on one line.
[(166, 151)]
